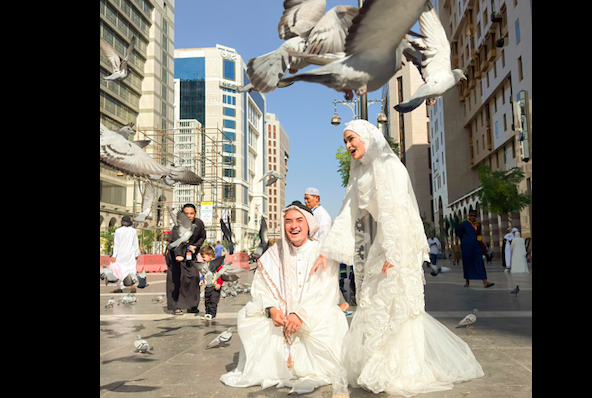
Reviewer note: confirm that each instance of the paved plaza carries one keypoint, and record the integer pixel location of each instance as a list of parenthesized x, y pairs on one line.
[(180, 365)]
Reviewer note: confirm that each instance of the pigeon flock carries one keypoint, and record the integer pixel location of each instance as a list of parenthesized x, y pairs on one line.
[(358, 50)]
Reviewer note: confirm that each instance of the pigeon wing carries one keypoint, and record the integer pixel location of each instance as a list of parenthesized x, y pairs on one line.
[(225, 231), (437, 52), (328, 35), (300, 17), (125, 156), (184, 176), (147, 201), (381, 25), (111, 55)]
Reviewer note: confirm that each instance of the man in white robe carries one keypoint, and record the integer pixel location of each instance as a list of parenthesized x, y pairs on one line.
[(292, 330), (125, 252), (312, 199), (508, 249)]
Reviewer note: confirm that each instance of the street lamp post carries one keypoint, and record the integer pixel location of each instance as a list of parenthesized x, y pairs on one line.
[(358, 107)]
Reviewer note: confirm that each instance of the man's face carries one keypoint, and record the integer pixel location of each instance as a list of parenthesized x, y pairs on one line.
[(190, 213), (311, 200), (296, 227), (472, 217)]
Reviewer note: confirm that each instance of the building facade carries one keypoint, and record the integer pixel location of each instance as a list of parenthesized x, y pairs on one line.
[(233, 141), (488, 118), (145, 97), (411, 131), (278, 153)]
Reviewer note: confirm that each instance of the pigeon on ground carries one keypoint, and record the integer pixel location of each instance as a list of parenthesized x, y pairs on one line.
[(468, 320), (128, 300), (515, 291), (435, 68), (227, 234), (263, 240), (110, 302), (147, 202), (108, 275), (221, 338), (273, 177), (119, 66), (142, 345), (373, 51), (158, 299), (186, 228)]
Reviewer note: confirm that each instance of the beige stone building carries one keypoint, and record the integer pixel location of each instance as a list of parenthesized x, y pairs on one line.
[(278, 153), (145, 97), (410, 131), (488, 118)]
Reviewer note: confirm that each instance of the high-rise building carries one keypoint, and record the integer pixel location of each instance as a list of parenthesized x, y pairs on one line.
[(145, 97), (278, 153), (206, 82)]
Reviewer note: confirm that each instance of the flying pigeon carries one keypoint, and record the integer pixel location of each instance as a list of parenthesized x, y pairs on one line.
[(228, 273), (142, 345), (227, 234), (221, 338), (373, 51), (264, 241), (515, 291), (273, 177), (108, 275), (110, 302), (119, 66), (178, 174), (435, 68), (186, 228), (121, 154), (311, 37), (468, 320), (147, 201)]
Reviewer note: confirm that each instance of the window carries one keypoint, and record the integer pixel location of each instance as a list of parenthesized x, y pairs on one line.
[(229, 124), (229, 112), (228, 69), (496, 130), (517, 25), (520, 75)]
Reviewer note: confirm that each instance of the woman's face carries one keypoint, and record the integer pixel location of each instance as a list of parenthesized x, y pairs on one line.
[(353, 144), (190, 213)]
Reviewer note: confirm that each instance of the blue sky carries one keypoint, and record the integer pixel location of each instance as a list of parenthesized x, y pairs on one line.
[(304, 109)]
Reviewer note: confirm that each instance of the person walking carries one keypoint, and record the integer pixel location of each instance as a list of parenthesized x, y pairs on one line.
[(469, 232)]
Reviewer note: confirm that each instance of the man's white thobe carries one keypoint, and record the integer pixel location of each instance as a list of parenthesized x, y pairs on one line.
[(324, 220), (315, 348), (508, 249), (125, 251)]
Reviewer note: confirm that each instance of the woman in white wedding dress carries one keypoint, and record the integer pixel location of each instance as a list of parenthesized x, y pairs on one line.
[(392, 345)]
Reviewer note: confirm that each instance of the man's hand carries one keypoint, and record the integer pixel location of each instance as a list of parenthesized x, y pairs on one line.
[(322, 260), (277, 317), (113, 259), (192, 248), (217, 287), (293, 323), (386, 266), (201, 283)]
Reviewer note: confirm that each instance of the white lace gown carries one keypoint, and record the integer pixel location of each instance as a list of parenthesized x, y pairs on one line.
[(392, 344)]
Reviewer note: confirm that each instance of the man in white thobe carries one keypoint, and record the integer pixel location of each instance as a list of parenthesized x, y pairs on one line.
[(125, 252), (312, 199), (508, 249), (292, 330)]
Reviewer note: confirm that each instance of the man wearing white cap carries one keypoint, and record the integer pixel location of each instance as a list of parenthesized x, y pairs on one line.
[(312, 200)]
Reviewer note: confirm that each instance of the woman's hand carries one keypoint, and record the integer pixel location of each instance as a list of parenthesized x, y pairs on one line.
[(322, 260), (179, 258), (386, 266)]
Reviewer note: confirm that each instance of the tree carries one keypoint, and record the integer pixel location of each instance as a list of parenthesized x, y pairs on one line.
[(344, 157), (499, 190)]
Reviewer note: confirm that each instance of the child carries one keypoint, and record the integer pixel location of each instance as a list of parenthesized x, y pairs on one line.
[(212, 289)]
